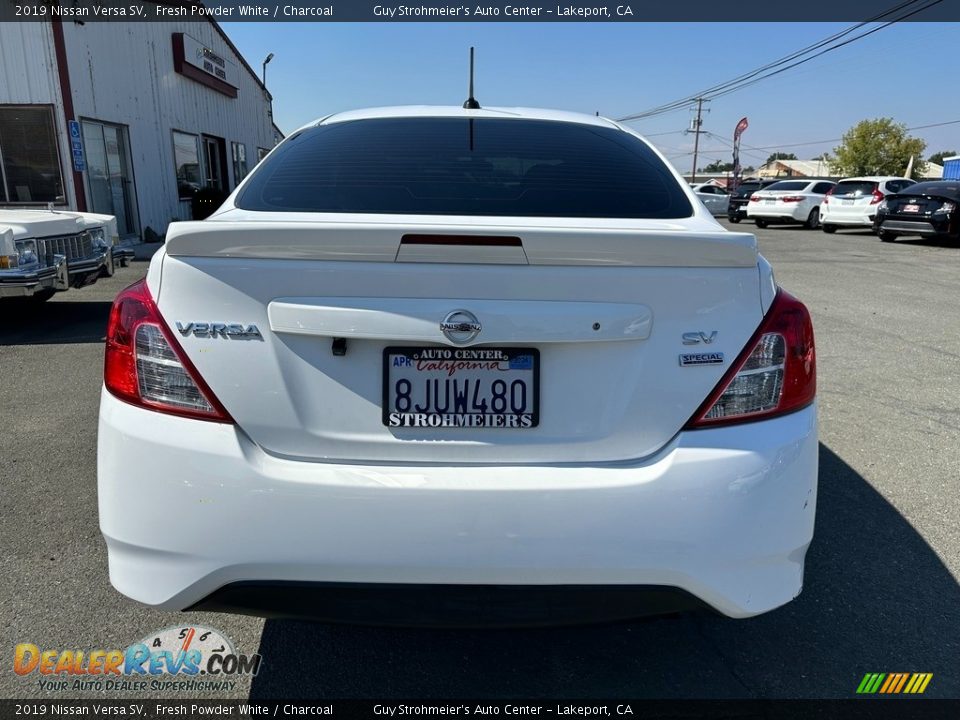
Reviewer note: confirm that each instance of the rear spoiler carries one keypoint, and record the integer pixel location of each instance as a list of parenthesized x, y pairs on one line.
[(657, 244)]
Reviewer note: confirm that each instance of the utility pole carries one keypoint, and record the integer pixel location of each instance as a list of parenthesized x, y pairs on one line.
[(696, 138)]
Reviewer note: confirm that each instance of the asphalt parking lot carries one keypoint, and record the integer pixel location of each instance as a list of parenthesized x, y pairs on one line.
[(881, 590)]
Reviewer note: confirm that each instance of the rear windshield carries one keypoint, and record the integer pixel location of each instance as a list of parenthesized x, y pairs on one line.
[(855, 188), (747, 188), (788, 185), (461, 166), (950, 189)]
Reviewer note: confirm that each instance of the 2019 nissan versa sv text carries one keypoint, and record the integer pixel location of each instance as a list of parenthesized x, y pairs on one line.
[(475, 352)]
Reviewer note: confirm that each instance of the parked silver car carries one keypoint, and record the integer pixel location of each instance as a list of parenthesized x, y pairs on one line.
[(715, 198)]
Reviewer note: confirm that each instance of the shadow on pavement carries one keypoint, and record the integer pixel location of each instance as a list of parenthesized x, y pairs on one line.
[(53, 322), (877, 599), (940, 242)]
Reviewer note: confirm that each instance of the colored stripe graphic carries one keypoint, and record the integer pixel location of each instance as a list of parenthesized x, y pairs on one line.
[(894, 683), (891, 679), (903, 680)]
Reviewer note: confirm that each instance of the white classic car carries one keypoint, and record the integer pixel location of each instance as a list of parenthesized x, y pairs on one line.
[(44, 251)]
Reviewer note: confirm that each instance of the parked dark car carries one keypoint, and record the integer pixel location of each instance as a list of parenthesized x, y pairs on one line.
[(927, 209), (737, 209)]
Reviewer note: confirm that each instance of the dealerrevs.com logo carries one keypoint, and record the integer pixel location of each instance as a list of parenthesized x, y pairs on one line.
[(175, 658)]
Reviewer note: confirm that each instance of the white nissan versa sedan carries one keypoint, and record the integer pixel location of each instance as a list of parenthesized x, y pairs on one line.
[(447, 359)]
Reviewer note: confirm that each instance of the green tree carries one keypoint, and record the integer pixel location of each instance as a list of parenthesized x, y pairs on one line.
[(717, 166), (878, 147), (937, 158), (780, 156)]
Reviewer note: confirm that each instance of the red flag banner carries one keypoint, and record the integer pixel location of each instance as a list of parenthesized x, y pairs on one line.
[(741, 126)]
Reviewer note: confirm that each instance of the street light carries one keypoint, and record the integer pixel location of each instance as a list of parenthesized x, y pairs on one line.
[(265, 62)]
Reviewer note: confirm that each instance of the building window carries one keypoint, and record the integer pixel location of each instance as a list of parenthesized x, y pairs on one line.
[(239, 162), (186, 157), (261, 153), (29, 161)]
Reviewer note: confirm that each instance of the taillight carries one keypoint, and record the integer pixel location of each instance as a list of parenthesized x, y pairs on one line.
[(792, 198), (754, 198), (775, 374), (826, 198), (145, 365), (877, 197)]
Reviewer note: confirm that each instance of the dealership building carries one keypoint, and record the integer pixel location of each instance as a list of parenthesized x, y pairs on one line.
[(128, 119)]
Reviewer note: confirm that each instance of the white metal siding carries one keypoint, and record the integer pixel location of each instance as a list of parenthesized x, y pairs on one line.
[(28, 76), (123, 74)]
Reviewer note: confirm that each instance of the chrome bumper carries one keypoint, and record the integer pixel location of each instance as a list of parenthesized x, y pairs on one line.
[(24, 283), (85, 271), (122, 256)]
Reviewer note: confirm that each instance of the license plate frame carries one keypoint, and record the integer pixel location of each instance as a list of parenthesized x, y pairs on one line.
[(480, 354)]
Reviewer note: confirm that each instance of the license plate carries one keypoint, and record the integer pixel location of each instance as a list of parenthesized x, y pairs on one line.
[(442, 387), (911, 208), (846, 202), (769, 201)]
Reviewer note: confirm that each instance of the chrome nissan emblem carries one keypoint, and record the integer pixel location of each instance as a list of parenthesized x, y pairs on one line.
[(460, 326)]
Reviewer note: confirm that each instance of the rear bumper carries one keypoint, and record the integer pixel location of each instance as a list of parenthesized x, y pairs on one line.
[(447, 605), (20, 283), (189, 507), (916, 227), (774, 213), (864, 219), (737, 210)]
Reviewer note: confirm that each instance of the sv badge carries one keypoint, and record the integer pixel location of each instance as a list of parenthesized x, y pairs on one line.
[(695, 338)]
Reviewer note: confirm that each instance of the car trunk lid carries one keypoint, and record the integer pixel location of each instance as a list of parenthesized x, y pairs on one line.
[(605, 307)]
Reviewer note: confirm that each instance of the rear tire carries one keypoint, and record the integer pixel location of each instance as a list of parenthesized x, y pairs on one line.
[(761, 223), (813, 219), (829, 229), (887, 236), (734, 219)]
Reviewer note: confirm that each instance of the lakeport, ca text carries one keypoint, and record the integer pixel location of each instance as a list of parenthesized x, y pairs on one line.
[(464, 11)]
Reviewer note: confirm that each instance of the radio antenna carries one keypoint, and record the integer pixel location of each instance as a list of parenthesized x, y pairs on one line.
[(471, 102)]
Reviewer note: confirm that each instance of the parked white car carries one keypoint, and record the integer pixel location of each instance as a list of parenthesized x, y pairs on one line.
[(456, 355), (45, 251), (853, 202), (789, 201), (716, 199)]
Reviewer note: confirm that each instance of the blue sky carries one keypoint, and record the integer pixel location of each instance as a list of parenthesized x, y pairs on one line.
[(905, 71)]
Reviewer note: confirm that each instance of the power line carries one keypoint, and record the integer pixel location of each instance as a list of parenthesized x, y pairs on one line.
[(785, 63), (671, 132), (730, 145), (840, 139), (750, 78)]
